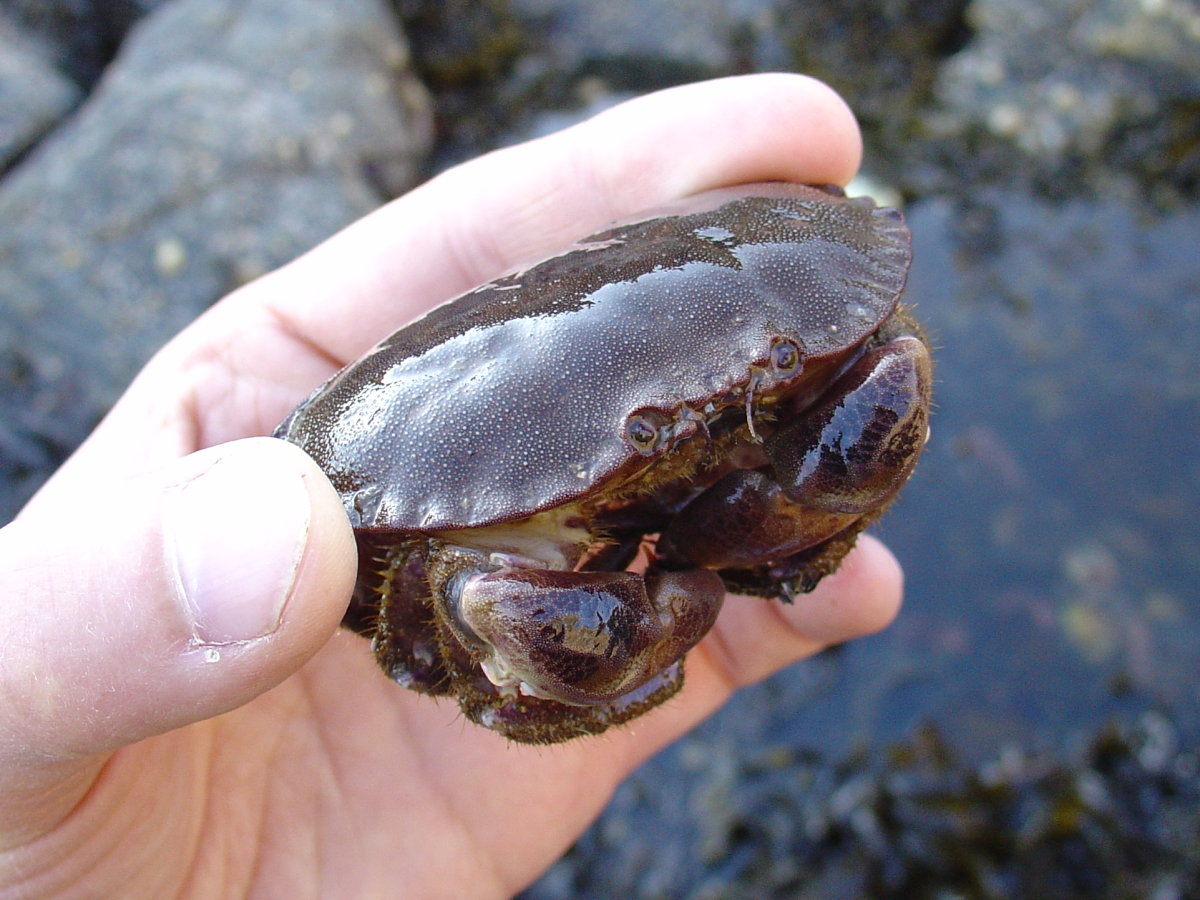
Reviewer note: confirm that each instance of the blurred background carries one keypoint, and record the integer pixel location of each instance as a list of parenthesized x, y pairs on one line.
[(1028, 727)]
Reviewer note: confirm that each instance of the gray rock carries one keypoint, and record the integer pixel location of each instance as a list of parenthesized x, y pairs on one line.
[(228, 137), (512, 70), (588, 56), (694, 37), (1104, 87), (33, 94), (82, 35)]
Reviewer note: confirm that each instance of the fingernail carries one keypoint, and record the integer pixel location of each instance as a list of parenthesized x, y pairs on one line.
[(236, 533)]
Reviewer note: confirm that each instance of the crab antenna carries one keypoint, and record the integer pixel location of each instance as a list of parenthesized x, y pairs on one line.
[(750, 407)]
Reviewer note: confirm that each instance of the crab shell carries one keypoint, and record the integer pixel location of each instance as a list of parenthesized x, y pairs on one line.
[(516, 397), (534, 431)]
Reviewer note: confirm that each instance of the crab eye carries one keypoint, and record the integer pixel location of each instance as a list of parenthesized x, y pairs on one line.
[(642, 430), (785, 357)]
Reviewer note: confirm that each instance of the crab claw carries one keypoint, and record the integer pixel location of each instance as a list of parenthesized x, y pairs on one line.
[(744, 519), (853, 452), (583, 638), (843, 459)]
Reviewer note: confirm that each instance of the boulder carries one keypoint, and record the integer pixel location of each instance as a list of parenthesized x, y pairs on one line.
[(227, 137)]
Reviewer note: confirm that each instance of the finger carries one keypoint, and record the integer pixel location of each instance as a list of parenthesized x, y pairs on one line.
[(162, 601), (514, 205), (242, 366), (753, 638), (756, 638), (295, 326)]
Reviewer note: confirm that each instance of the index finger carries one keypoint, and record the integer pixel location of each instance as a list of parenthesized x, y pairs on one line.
[(514, 205), (481, 218), (238, 369)]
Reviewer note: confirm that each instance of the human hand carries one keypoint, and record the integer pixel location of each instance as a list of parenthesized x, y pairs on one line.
[(179, 714)]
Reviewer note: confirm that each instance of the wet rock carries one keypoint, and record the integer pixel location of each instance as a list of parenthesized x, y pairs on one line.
[(465, 52), (1117, 96), (593, 55), (884, 57), (955, 92), (83, 35), (1112, 817), (505, 71), (618, 39), (226, 138), (33, 94)]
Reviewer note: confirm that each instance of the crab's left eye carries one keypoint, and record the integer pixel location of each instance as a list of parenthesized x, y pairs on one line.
[(785, 357), (644, 430)]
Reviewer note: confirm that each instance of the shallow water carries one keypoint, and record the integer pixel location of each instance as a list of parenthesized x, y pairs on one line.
[(1051, 544), (1052, 534)]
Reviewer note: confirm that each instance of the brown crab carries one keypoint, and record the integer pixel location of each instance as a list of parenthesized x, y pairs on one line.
[(729, 386)]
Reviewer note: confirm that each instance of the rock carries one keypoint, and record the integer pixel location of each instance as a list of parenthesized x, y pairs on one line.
[(227, 137), (883, 57), (1116, 98), (82, 35), (954, 92), (505, 71), (642, 39), (33, 94)]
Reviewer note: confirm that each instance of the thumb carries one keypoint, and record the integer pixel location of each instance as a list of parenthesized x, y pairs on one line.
[(164, 600)]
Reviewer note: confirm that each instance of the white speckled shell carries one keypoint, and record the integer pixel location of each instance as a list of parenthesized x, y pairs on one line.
[(512, 398)]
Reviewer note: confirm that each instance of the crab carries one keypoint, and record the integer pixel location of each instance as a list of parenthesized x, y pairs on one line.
[(720, 396)]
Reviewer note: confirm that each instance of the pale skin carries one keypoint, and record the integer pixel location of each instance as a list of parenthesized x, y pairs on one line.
[(145, 755)]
